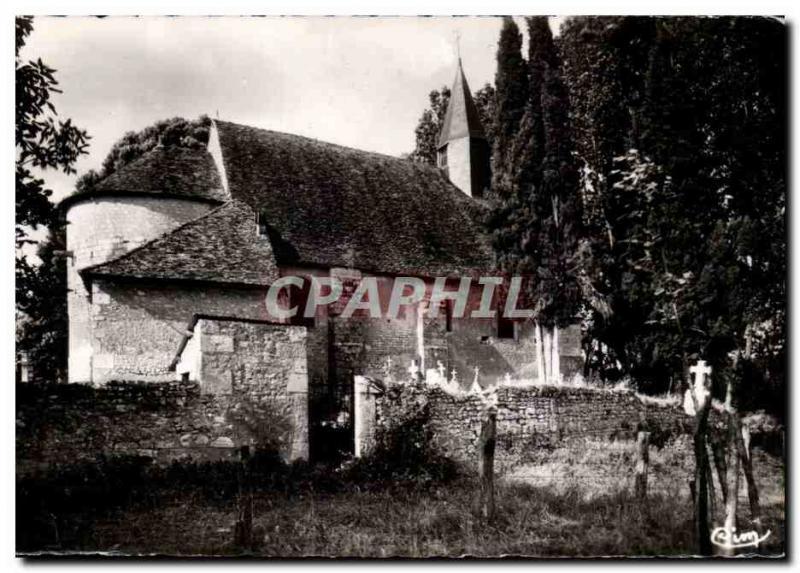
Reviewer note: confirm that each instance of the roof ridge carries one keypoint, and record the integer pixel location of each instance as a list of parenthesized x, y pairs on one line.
[(330, 143), (159, 148), (160, 237)]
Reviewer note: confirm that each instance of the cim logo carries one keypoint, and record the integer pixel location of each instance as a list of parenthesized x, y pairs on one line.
[(722, 537)]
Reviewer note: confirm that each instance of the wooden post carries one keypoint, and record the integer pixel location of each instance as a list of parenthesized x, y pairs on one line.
[(702, 404), (712, 493), (718, 451), (243, 531), (732, 503), (702, 530), (745, 455), (642, 461), (486, 465)]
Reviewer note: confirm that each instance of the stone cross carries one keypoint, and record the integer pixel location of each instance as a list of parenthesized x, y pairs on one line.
[(453, 377), (413, 370), (441, 370), (700, 371)]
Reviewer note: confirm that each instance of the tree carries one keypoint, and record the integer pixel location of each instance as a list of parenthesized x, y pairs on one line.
[(535, 218), (42, 141), (511, 97), (505, 221), (432, 119), (429, 126), (686, 197), (173, 132), (43, 332)]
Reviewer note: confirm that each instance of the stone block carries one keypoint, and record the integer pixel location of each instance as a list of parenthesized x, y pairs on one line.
[(222, 442)]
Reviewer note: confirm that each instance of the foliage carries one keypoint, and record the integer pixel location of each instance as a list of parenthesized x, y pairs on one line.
[(42, 142), (430, 123), (404, 450), (680, 131), (534, 219), (171, 133), (42, 300)]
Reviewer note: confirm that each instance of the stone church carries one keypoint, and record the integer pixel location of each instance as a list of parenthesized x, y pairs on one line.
[(171, 257)]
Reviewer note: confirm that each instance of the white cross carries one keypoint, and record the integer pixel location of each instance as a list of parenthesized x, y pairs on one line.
[(440, 368), (453, 377), (413, 370), (700, 371)]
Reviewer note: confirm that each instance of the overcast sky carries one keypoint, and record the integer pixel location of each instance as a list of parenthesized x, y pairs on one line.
[(361, 82)]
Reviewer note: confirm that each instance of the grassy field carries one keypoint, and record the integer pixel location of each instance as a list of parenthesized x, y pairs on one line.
[(569, 518)]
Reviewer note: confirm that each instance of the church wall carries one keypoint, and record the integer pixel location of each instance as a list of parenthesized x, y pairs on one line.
[(459, 158), (137, 329), (102, 228), (266, 365)]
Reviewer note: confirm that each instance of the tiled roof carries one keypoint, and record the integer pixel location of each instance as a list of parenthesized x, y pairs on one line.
[(171, 172), (330, 205), (462, 118), (221, 246)]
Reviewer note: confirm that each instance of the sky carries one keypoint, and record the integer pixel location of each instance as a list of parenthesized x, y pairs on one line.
[(361, 82)]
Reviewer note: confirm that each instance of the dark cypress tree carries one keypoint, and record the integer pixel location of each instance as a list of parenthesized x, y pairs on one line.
[(506, 220), (511, 96)]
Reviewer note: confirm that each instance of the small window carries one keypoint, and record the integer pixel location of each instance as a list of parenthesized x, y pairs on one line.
[(506, 328), (261, 221), (442, 157), (299, 297), (185, 377), (447, 308)]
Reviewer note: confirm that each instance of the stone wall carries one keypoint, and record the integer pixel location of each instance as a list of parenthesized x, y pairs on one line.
[(65, 424), (268, 363), (99, 229), (137, 329), (529, 418)]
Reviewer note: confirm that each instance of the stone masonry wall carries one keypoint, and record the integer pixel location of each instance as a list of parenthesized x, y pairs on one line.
[(102, 228), (264, 404), (59, 425), (136, 330), (531, 417)]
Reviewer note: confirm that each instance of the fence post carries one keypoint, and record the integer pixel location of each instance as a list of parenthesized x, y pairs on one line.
[(642, 461), (701, 399), (486, 465), (745, 454), (243, 531)]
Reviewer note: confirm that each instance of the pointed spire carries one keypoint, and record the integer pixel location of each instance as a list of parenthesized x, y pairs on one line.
[(461, 118)]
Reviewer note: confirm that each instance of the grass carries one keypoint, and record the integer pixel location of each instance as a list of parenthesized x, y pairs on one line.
[(565, 518), (404, 522)]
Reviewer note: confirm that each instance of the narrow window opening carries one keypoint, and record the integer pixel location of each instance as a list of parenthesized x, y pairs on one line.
[(447, 307), (442, 157), (506, 328), (261, 222)]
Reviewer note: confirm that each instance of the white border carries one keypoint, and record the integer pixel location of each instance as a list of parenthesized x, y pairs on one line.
[(407, 7)]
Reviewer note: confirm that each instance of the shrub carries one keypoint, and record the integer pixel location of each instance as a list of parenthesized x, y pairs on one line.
[(404, 449)]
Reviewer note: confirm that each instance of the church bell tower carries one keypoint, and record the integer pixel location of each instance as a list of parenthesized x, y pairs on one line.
[(462, 150)]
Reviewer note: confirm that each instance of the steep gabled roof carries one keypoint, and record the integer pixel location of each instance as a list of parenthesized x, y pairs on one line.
[(330, 205), (168, 172), (461, 118), (221, 246)]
